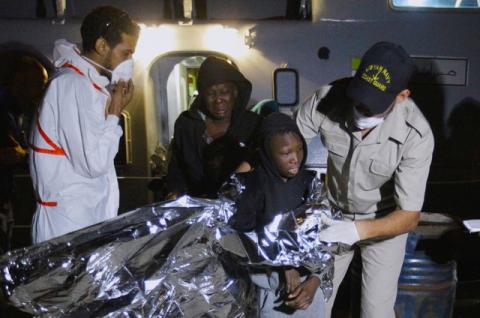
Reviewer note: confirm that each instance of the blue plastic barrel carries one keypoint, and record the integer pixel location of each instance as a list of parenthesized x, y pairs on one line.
[(426, 288)]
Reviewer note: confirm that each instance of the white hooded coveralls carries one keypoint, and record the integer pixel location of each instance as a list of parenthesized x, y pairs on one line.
[(73, 145)]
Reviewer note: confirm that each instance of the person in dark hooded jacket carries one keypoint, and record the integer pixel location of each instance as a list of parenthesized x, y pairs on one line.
[(279, 184), (215, 135), (22, 82)]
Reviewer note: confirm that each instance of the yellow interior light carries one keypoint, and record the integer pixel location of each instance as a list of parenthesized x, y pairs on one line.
[(153, 41), (226, 40)]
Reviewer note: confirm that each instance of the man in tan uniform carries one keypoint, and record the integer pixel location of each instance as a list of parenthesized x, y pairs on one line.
[(379, 153)]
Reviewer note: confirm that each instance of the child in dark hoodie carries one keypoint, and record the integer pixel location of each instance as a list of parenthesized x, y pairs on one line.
[(279, 184)]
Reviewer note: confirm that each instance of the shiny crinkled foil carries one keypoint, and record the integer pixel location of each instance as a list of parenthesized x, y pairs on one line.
[(172, 259)]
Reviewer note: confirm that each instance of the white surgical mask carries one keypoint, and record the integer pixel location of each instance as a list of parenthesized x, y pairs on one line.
[(123, 71), (364, 122)]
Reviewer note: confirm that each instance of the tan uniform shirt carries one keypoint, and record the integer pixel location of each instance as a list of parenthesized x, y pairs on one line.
[(385, 170)]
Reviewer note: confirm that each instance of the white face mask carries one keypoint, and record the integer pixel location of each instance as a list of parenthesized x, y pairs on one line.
[(364, 122), (123, 71)]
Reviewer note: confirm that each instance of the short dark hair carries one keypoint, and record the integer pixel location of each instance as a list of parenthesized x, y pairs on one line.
[(107, 22), (281, 132)]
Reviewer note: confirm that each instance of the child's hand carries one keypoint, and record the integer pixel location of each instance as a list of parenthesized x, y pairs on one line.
[(303, 295), (292, 279)]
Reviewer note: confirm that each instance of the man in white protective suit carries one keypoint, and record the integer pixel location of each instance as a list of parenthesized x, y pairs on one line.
[(76, 135)]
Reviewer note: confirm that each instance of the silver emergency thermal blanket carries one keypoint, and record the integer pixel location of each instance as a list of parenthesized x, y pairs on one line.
[(172, 259)]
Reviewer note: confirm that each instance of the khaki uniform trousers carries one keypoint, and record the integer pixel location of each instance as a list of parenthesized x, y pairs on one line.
[(382, 262)]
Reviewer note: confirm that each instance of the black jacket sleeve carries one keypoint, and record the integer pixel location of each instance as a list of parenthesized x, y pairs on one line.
[(175, 179), (249, 205), (182, 148)]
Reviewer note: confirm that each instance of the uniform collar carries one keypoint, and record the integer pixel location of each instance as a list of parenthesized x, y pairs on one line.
[(395, 125)]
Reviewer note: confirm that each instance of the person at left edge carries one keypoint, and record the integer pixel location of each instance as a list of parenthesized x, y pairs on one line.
[(75, 137), (22, 84)]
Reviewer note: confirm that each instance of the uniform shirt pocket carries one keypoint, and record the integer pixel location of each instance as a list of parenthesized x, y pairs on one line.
[(379, 174)]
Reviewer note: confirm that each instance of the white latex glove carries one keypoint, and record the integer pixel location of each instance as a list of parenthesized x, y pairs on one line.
[(340, 231)]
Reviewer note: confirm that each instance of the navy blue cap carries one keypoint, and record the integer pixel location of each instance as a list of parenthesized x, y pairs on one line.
[(384, 72)]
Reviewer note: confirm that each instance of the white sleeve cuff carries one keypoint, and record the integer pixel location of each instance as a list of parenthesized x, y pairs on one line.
[(112, 120)]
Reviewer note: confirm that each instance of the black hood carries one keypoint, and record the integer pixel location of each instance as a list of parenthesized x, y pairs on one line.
[(273, 124), (215, 70), (266, 192)]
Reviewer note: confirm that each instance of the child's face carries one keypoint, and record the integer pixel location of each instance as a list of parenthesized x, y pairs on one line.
[(287, 154)]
